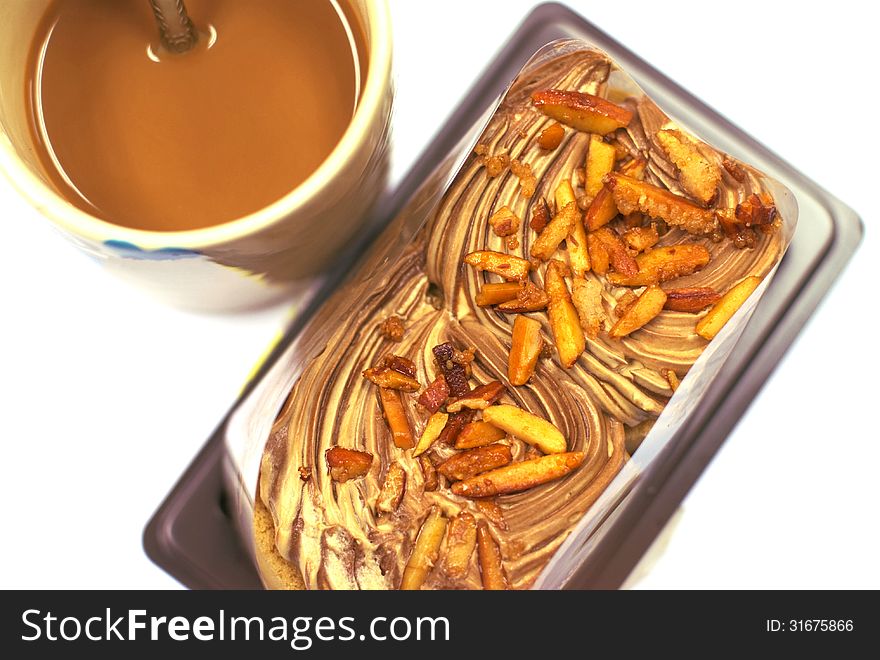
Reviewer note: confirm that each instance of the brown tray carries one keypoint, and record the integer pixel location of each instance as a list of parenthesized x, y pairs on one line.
[(194, 539)]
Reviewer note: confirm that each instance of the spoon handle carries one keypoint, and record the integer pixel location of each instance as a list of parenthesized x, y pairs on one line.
[(176, 30)]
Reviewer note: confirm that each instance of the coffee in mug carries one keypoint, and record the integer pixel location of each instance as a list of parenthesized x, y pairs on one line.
[(157, 141)]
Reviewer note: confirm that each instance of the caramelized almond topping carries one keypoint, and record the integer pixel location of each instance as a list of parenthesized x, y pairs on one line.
[(345, 464), (505, 265), (478, 434), (633, 195), (435, 394), (551, 137), (392, 489), (454, 372), (461, 539), (540, 215), (691, 299), (429, 472), (491, 566), (581, 111), (479, 398), (529, 298), (474, 461), (490, 509), (525, 348)]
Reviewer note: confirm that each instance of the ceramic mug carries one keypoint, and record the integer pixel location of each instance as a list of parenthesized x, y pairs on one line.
[(240, 264)]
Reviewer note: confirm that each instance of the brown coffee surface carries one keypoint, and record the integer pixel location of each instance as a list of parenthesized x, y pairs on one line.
[(194, 140)]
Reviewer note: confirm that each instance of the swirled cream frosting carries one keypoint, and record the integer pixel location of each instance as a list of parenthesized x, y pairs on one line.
[(332, 533)]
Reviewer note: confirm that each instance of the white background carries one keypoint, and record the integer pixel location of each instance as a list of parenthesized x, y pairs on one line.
[(106, 395)]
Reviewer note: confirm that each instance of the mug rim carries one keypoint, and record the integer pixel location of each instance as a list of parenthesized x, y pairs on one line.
[(61, 212)]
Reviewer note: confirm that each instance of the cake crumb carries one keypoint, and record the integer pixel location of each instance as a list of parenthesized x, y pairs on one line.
[(494, 165), (527, 180), (392, 328), (504, 222), (671, 378)]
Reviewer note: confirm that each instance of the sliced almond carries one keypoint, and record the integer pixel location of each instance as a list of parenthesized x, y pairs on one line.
[(496, 293), (525, 349), (472, 462), (392, 489), (527, 427), (601, 211), (697, 175), (555, 232), (520, 476), (691, 299), (647, 307), (433, 428), (491, 565), (586, 294), (506, 265), (663, 264), (600, 161), (625, 302), (581, 111), (578, 251), (564, 321), (425, 551), (564, 194), (711, 324), (618, 256), (461, 539), (529, 298), (390, 379), (478, 434), (395, 415), (429, 474), (576, 240), (599, 258), (478, 398)]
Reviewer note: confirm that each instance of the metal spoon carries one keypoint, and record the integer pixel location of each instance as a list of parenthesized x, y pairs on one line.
[(176, 31)]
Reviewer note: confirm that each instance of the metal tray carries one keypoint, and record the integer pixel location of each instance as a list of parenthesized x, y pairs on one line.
[(193, 537)]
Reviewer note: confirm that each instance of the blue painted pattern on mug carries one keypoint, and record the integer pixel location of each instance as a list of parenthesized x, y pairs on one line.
[(132, 251)]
